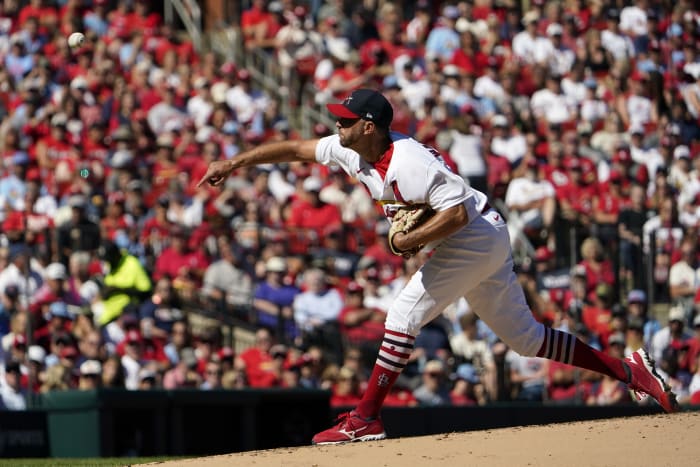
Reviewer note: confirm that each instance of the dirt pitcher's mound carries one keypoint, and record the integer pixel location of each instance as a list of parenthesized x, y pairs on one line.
[(659, 440)]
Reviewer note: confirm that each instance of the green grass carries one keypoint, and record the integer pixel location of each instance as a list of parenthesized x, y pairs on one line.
[(97, 462)]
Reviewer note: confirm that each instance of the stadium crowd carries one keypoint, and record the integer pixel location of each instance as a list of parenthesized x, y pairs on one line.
[(579, 119)]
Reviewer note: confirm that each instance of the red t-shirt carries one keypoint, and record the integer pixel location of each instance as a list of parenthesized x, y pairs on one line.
[(259, 368), (367, 331), (597, 320), (344, 400)]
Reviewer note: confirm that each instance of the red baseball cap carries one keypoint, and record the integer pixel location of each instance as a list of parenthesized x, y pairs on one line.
[(366, 104)]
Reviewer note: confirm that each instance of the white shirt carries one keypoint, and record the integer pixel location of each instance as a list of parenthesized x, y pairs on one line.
[(485, 86), (467, 154), (131, 372), (621, 47), (522, 190), (634, 20), (555, 108), (593, 110), (512, 147), (681, 273), (11, 399), (525, 46), (312, 309), (559, 60), (650, 157), (246, 104), (575, 90), (12, 275), (415, 92), (200, 109), (639, 110)]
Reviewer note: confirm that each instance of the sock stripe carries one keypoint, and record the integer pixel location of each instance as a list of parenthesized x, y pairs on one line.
[(567, 349), (407, 345), (398, 334), (550, 344), (560, 346), (572, 348), (395, 350), (396, 353), (389, 364)]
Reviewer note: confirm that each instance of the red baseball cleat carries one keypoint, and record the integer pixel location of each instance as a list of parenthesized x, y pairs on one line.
[(646, 380), (351, 427)]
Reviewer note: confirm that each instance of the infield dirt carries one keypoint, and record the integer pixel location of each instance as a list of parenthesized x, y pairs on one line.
[(658, 440)]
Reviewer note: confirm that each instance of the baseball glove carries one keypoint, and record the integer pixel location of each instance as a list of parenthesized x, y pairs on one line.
[(406, 219)]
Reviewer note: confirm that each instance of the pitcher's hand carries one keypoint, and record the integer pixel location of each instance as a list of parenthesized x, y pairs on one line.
[(217, 173)]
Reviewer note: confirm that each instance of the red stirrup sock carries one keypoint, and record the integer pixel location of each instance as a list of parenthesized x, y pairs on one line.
[(393, 355), (566, 348)]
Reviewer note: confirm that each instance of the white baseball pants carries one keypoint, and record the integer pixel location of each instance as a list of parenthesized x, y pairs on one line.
[(476, 263)]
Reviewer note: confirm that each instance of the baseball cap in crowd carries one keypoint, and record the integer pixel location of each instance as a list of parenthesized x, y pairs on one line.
[(366, 104), (18, 250), (77, 201), (60, 310), (635, 323), (616, 338), (90, 368), (676, 313), (613, 13), (225, 353), (36, 353), (12, 291), (146, 374), (636, 296), (354, 287), (450, 11), (12, 366), (68, 351), (121, 158), (681, 151), (543, 254), (531, 17), (636, 130), (275, 264), (467, 372), (499, 121), (434, 367), (56, 271), (188, 357), (579, 271), (133, 336), (312, 184), (554, 29)]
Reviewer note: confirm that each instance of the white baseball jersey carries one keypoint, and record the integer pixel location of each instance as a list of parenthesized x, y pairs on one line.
[(408, 173), (475, 262)]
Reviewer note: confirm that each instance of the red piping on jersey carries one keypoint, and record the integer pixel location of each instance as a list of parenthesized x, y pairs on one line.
[(382, 165)]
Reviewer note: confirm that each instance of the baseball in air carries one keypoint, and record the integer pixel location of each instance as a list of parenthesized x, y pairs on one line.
[(76, 39)]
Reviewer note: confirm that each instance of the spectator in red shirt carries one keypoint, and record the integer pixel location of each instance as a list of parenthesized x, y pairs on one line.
[(599, 269), (252, 20), (598, 316), (176, 261), (258, 362), (361, 326), (156, 229), (311, 216), (607, 204), (345, 391)]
